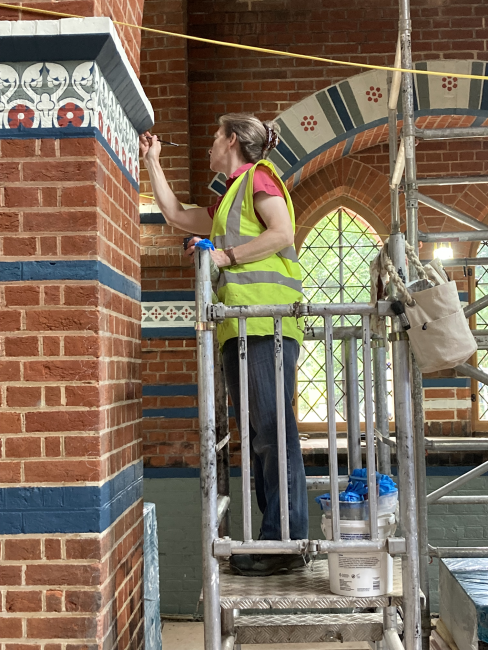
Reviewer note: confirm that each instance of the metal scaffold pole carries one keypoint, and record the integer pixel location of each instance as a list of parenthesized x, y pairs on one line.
[(406, 470), (223, 437), (404, 420), (411, 205), (208, 456)]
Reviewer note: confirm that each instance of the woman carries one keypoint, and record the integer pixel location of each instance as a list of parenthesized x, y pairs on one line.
[(252, 228)]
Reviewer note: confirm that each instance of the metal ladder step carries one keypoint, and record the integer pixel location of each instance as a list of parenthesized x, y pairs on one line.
[(305, 588), (309, 628)]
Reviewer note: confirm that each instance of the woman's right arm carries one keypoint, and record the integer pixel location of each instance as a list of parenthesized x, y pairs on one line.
[(194, 220)]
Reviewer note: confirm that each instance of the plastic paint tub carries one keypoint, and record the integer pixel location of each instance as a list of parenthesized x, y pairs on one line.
[(360, 574), (359, 510)]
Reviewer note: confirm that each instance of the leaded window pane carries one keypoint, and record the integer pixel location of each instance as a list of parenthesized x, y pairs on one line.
[(482, 323), (335, 259)]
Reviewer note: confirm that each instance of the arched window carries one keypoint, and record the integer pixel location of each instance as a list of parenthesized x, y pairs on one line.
[(335, 258)]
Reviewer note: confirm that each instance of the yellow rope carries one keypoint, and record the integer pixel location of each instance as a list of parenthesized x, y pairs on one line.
[(251, 48)]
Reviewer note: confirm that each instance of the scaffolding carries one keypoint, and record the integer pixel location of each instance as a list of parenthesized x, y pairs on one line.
[(375, 618)]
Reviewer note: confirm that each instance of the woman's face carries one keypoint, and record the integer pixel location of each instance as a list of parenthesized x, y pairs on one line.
[(220, 150)]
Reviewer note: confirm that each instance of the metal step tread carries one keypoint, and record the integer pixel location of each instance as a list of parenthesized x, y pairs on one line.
[(309, 628), (299, 589)]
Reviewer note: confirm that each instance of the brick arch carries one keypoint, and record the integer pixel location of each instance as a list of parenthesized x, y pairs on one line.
[(350, 116), (345, 182)]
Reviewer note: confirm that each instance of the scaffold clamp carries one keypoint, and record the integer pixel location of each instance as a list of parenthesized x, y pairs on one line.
[(203, 326), (397, 336), (217, 312)]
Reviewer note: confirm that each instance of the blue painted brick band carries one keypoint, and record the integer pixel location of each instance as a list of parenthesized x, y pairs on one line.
[(70, 270), (168, 296), (447, 382), (185, 412), (194, 472), (170, 390), (152, 217), (69, 509), (168, 332)]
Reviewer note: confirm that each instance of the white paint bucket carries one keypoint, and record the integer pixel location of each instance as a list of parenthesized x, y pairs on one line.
[(361, 574)]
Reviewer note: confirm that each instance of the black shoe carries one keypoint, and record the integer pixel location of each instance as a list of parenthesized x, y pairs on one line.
[(266, 565)]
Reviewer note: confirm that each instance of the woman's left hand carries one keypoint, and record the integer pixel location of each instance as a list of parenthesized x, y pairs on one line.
[(220, 258)]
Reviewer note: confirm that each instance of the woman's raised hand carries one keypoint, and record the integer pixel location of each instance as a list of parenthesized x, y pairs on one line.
[(150, 147)]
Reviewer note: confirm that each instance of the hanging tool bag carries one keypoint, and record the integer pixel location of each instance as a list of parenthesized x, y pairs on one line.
[(439, 331)]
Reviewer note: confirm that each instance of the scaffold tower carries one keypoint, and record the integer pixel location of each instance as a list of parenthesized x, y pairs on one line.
[(405, 611)]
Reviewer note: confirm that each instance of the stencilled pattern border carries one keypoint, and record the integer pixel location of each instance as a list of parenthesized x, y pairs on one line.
[(67, 96), (168, 314)]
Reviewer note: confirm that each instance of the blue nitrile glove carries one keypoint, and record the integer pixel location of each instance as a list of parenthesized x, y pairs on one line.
[(386, 485), (322, 496), (205, 244), (343, 496), (350, 496)]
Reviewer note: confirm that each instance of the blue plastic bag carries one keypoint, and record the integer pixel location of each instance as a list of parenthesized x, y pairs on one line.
[(205, 244)]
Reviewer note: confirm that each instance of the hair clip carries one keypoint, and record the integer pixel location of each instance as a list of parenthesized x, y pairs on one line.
[(271, 139)]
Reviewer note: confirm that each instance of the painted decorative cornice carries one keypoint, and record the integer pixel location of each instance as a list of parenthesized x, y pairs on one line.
[(338, 113), (48, 90)]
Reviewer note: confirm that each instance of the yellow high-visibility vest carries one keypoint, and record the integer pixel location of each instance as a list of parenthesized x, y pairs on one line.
[(275, 280)]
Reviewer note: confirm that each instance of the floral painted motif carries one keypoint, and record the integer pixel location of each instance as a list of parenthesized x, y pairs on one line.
[(374, 94), (21, 115), (171, 313), (70, 114), (47, 95), (309, 123), (449, 83)]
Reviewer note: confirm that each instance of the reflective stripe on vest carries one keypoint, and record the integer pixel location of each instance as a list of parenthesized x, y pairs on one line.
[(255, 277)]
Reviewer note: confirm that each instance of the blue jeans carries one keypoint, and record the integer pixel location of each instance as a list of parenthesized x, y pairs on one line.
[(263, 431)]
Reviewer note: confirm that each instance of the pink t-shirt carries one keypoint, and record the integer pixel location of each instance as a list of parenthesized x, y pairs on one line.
[(263, 182)]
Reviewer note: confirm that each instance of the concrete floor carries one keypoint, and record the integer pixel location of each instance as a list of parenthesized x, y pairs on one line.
[(189, 636)]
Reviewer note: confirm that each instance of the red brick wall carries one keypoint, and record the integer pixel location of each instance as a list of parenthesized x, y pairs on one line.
[(127, 11), (58, 334), (170, 442), (164, 77), (70, 399), (49, 579)]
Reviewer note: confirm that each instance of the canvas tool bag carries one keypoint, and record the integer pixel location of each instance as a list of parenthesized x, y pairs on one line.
[(439, 332)]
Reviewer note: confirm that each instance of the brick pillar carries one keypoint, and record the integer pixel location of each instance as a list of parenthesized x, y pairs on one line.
[(71, 523)]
